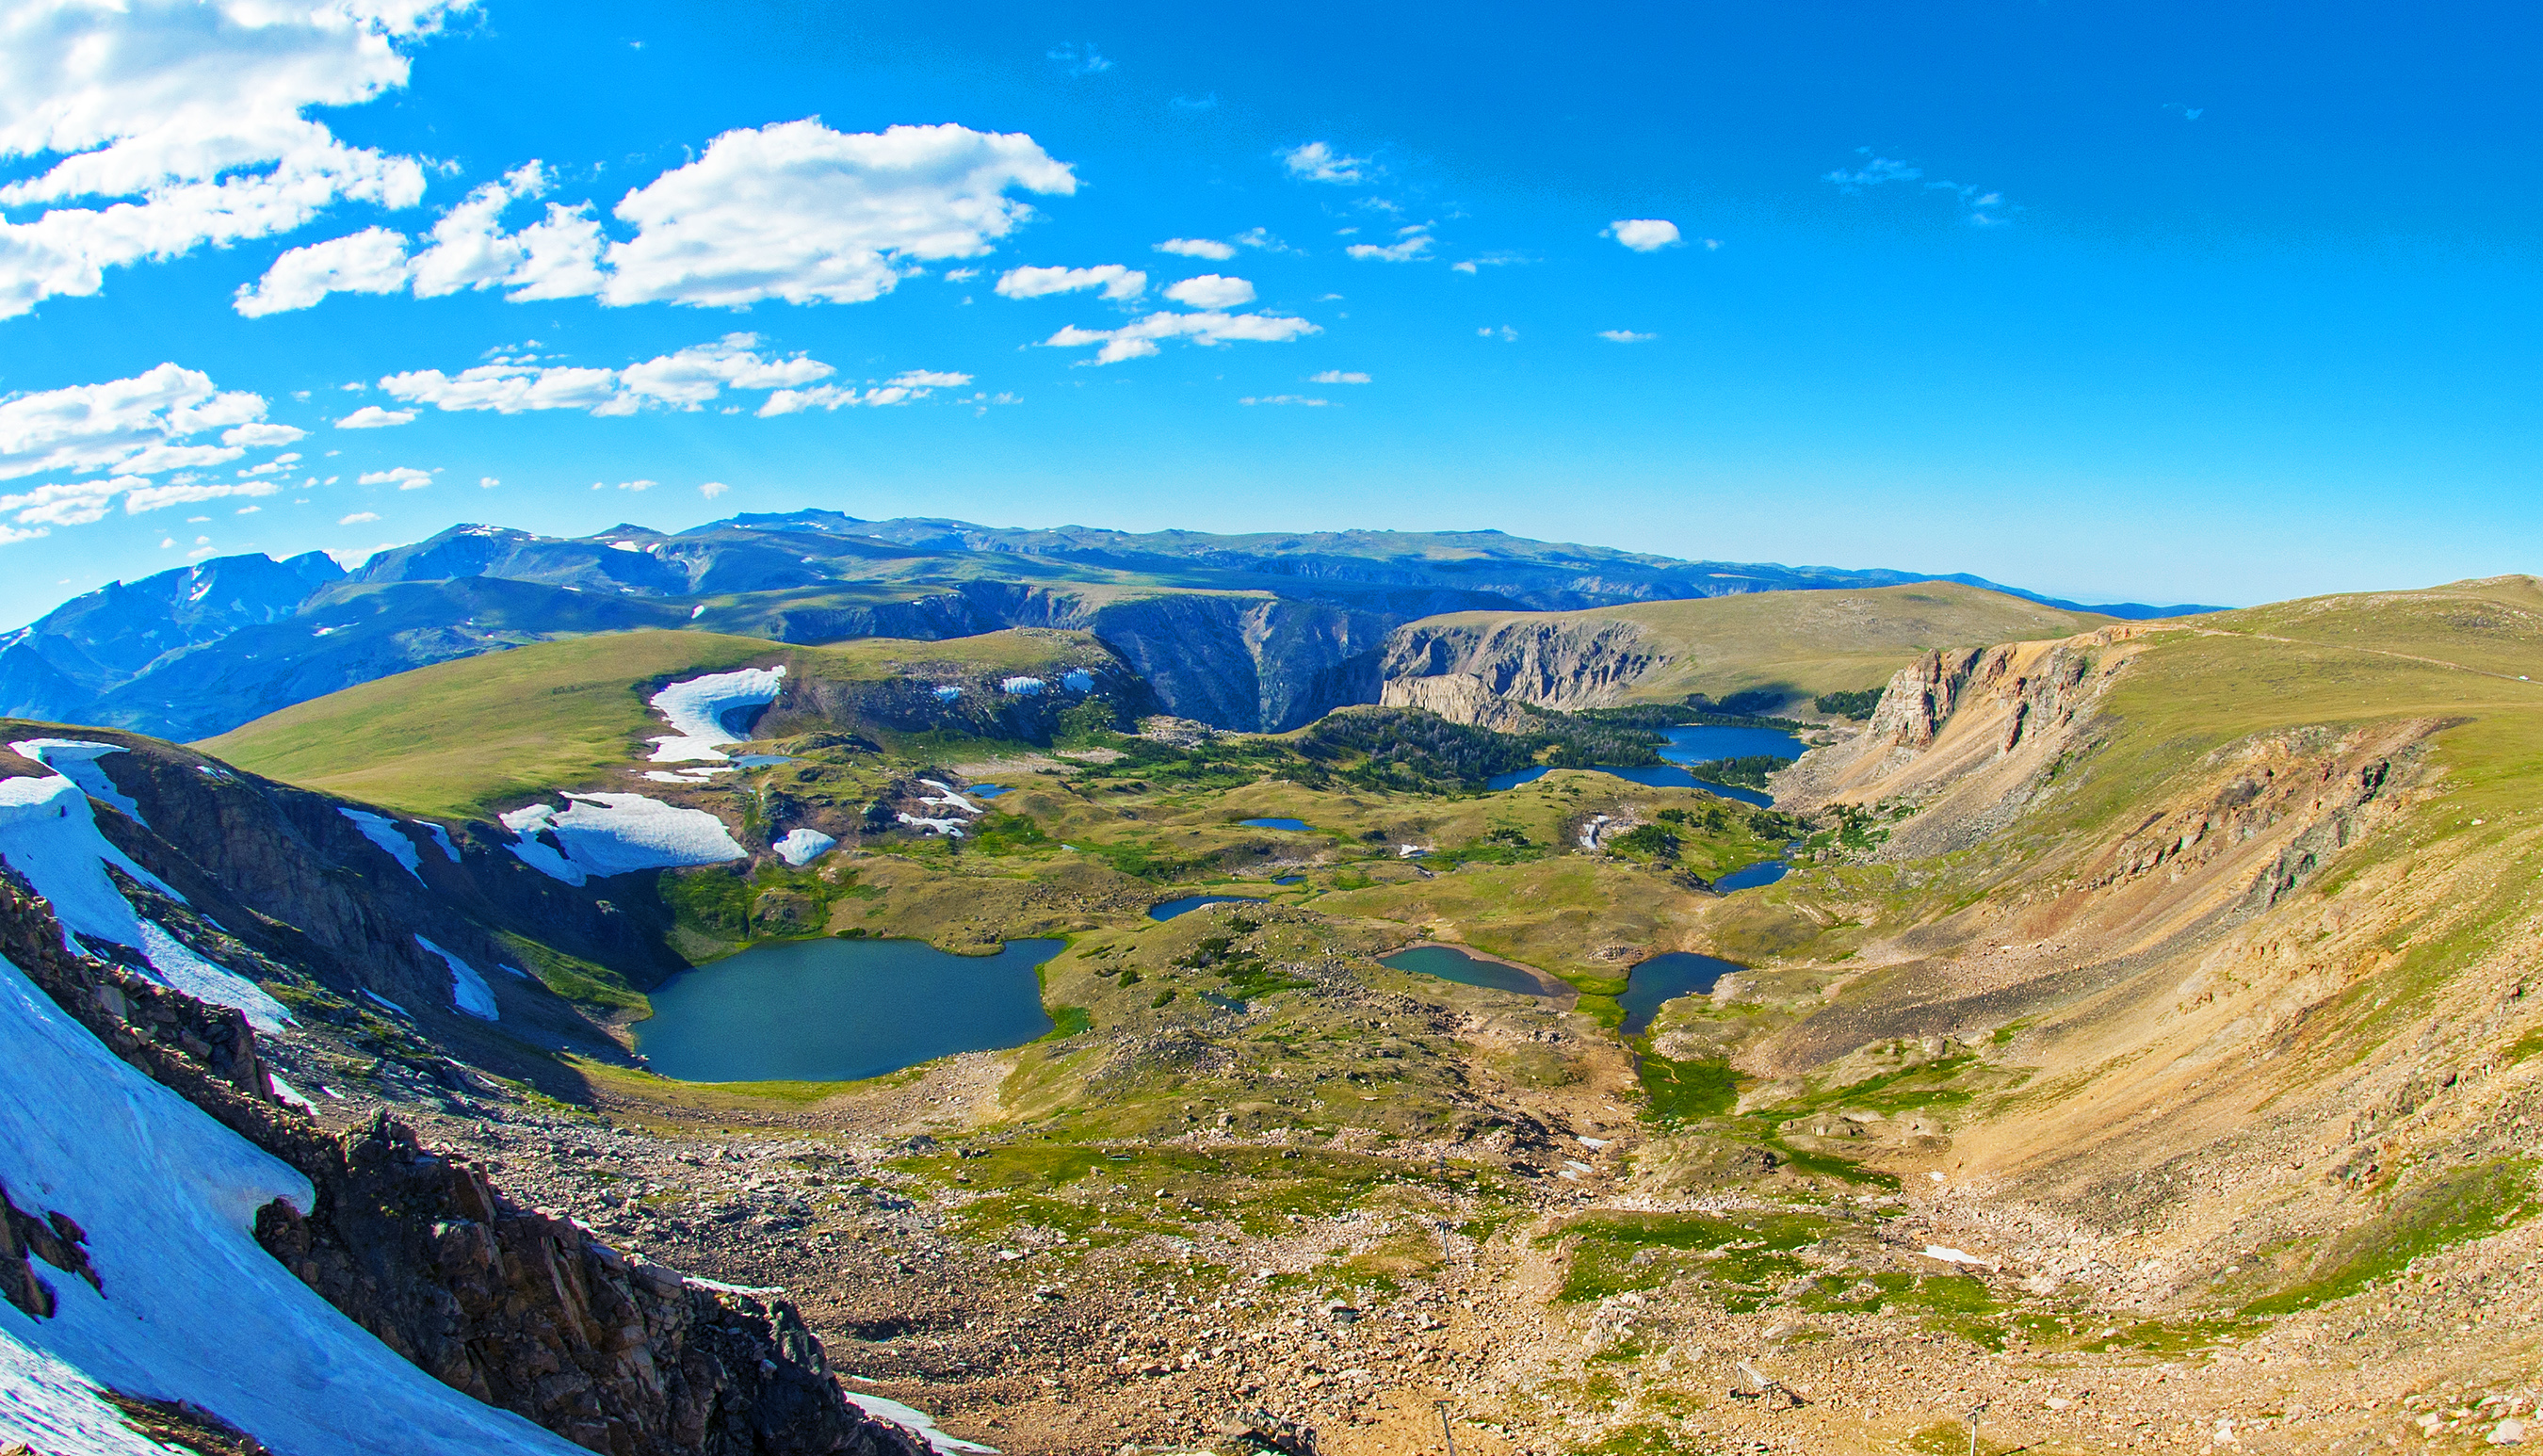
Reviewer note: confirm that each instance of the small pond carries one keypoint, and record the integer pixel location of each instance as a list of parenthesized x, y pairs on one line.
[(1750, 876), (1294, 826), (1698, 743), (985, 791), (761, 760), (836, 1010), (1169, 909), (1289, 878), (1665, 978), (1449, 964)]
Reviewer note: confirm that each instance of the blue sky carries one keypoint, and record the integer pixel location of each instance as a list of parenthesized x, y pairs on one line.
[(2158, 302)]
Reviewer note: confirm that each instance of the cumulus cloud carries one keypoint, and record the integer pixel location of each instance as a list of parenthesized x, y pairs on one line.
[(1210, 248), (172, 125), (1139, 340), (404, 477), (803, 213), (128, 425), (1115, 280), (1339, 376), (1317, 161), (1286, 399), (1642, 233), (1411, 244), (467, 249), (1210, 290), (713, 489), (1625, 336), (685, 380), (1505, 333), (372, 417), (900, 389), (359, 517)]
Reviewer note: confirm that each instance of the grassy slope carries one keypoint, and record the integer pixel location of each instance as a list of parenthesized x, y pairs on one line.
[(1812, 642), (458, 738)]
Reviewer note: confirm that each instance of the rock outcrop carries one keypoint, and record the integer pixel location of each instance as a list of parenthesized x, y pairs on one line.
[(1563, 664), (516, 1307)]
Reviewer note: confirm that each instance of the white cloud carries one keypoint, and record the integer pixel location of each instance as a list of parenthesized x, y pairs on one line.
[(487, 483), (685, 380), (129, 424), (1260, 237), (1115, 280), (1287, 398), (1644, 234), (1317, 161), (359, 517), (1505, 334), (1210, 290), (1339, 376), (1138, 339), (154, 498), (627, 484), (372, 261), (1873, 172), (1625, 336), (185, 121), (1980, 207), (1411, 244), (800, 212), (69, 504), (713, 489), (1210, 248), (468, 249), (404, 477), (372, 417), (900, 389), (261, 436), (1080, 60)]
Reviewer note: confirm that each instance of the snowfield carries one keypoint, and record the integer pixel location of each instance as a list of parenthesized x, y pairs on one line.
[(76, 759), (382, 830), (603, 834), (468, 990), (1020, 687), (47, 836), (192, 1308), (950, 798), (802, 847), (697, 710)]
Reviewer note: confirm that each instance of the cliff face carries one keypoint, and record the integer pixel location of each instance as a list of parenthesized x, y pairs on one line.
[(520, 1310), (1562, 665)]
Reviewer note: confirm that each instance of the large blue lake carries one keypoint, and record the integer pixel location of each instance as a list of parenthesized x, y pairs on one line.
[(1696, 744), (835, 1011), (1665, 978)]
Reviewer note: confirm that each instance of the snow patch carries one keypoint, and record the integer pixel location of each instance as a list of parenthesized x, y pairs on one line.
[(441, 836), (76, 759), (689, 776), (950, 798), (1022, 687), (194, 1309), (697, 710), (468, 990), (917, 1421), (601, 834), (382, 830), (697, 611), (950, 829), (633, 546), (49, 835), (289, 1094), (1954, 1256), (802, 847), (391, 1005), (948, 693), (1080, 682)]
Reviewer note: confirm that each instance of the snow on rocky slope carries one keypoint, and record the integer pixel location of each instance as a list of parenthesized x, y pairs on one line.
[(186, 1306), (597, 834), (698, 708)]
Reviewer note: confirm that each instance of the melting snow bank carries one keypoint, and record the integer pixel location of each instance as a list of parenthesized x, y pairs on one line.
[(601, 834), (950, 829), (468, 990), (382, 830), (76, 759), (698, 707), (951, 799), (193, 1310), (802, 847), (919, 1422), (47, 836)]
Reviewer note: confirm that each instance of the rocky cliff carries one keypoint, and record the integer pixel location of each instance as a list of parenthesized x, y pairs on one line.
[(1460, 667), (518, 1309)]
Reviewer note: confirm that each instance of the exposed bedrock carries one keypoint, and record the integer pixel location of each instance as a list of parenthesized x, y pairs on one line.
[(517, 1307), (1467, 671)]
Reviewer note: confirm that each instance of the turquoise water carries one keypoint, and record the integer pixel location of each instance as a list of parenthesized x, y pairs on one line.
[(985, 790), (1449, 964), (1666, 978), (1189, 903), (1295, 826), (835, 1011)]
